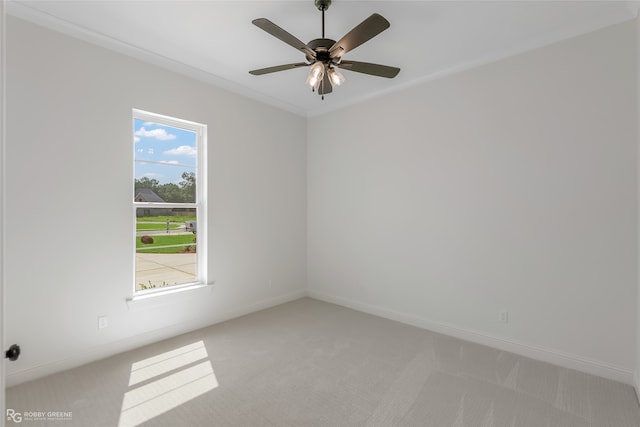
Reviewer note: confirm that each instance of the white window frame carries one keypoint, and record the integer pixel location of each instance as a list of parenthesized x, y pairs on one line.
[(200, 204)]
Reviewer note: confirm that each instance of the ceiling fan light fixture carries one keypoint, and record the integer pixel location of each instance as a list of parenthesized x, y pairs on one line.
[(316, 74), (323, 55), (335, 77)]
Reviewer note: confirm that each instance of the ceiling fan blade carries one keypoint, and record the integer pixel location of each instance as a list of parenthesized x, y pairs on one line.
[(369, 68), (325, 86), (281, 34), (268, 70), (366, 30)]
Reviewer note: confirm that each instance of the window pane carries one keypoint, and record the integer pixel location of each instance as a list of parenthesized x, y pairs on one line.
[(165, 163), (165, 247)]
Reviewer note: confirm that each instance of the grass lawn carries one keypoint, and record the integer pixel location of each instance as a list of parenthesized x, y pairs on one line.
[(160, 226), (161, 240), (164, 218)]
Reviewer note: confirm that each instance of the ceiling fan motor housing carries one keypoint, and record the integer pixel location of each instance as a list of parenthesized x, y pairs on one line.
[(321, 48)]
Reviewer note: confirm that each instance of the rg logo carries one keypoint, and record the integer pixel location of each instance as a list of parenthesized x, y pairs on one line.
[(14, 416)]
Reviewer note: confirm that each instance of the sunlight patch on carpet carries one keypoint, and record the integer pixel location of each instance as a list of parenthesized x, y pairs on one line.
[(177, 379)]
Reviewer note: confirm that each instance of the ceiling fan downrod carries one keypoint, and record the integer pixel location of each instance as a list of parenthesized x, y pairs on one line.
[(323, 5)]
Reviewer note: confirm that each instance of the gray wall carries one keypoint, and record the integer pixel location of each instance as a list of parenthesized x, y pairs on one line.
[(2, 144), (69, 193), (511, 186), (637, 367)]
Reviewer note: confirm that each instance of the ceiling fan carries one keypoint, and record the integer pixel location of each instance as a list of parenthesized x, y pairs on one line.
[(324, 55)]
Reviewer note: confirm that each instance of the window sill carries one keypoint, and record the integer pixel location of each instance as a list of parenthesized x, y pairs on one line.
[(159, 297)]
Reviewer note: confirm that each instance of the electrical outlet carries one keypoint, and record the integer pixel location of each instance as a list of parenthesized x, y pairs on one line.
[(103, 322), (503, 316)]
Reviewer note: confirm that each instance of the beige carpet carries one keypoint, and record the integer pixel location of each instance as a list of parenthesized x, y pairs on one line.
[(309, 363)]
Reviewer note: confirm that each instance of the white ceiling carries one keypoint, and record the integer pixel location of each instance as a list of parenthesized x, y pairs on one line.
[(215, 41)]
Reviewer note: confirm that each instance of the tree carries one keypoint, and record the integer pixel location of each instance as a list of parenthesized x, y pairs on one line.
[(188, 186), (145, 182), (170, 192), (183, 192)]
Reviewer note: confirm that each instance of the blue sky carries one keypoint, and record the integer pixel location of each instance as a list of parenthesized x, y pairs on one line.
[(163, 152)]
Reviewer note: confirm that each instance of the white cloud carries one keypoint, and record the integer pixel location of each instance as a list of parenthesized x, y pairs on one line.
[(153, 175), (183, 150), (160, 134), (150, 151), (170, 162), (140, 150), (136, 139)]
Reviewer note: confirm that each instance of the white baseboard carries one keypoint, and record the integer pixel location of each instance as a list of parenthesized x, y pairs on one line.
[(552, 356), (547, 355), (103, 351)]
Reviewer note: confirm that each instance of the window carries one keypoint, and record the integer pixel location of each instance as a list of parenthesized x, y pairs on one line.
[(169, 203)]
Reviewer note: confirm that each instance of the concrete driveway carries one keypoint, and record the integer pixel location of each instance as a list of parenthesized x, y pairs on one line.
[(165, 268)]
